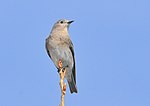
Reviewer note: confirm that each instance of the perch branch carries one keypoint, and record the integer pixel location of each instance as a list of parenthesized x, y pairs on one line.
[(62, 84)]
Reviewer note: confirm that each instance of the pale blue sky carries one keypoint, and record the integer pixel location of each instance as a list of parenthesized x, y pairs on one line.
[(112, 49)]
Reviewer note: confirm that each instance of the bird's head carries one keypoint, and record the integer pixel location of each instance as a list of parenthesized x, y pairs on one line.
[(62, 24)]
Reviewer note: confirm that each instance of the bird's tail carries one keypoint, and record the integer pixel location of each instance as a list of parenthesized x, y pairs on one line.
[(72, 85)]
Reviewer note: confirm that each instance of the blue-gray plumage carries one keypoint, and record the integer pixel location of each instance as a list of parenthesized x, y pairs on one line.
[(59, 47)]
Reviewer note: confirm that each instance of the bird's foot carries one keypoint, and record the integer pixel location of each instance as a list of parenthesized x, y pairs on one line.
[(60, 65)]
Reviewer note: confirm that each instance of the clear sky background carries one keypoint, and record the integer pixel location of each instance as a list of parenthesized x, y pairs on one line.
[(112, 50)]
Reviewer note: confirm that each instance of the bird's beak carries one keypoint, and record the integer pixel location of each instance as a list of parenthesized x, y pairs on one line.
[(69, 22)]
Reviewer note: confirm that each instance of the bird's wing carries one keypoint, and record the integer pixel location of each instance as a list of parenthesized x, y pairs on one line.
[(47, 47), (74, 67)]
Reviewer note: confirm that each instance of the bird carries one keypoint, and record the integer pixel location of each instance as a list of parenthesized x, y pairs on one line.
[(60, 49)]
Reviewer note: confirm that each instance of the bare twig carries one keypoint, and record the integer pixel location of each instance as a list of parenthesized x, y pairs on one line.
[(62, 84)]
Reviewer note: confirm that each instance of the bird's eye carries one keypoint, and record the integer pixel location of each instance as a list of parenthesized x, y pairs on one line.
[(61, 22)]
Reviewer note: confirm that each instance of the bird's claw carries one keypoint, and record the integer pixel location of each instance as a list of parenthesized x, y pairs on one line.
[(60, 65)]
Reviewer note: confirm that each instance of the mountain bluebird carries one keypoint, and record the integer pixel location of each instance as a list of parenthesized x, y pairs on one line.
[(60, 48)]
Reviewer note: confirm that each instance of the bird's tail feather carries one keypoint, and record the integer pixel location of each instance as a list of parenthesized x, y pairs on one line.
[(72, 85)]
